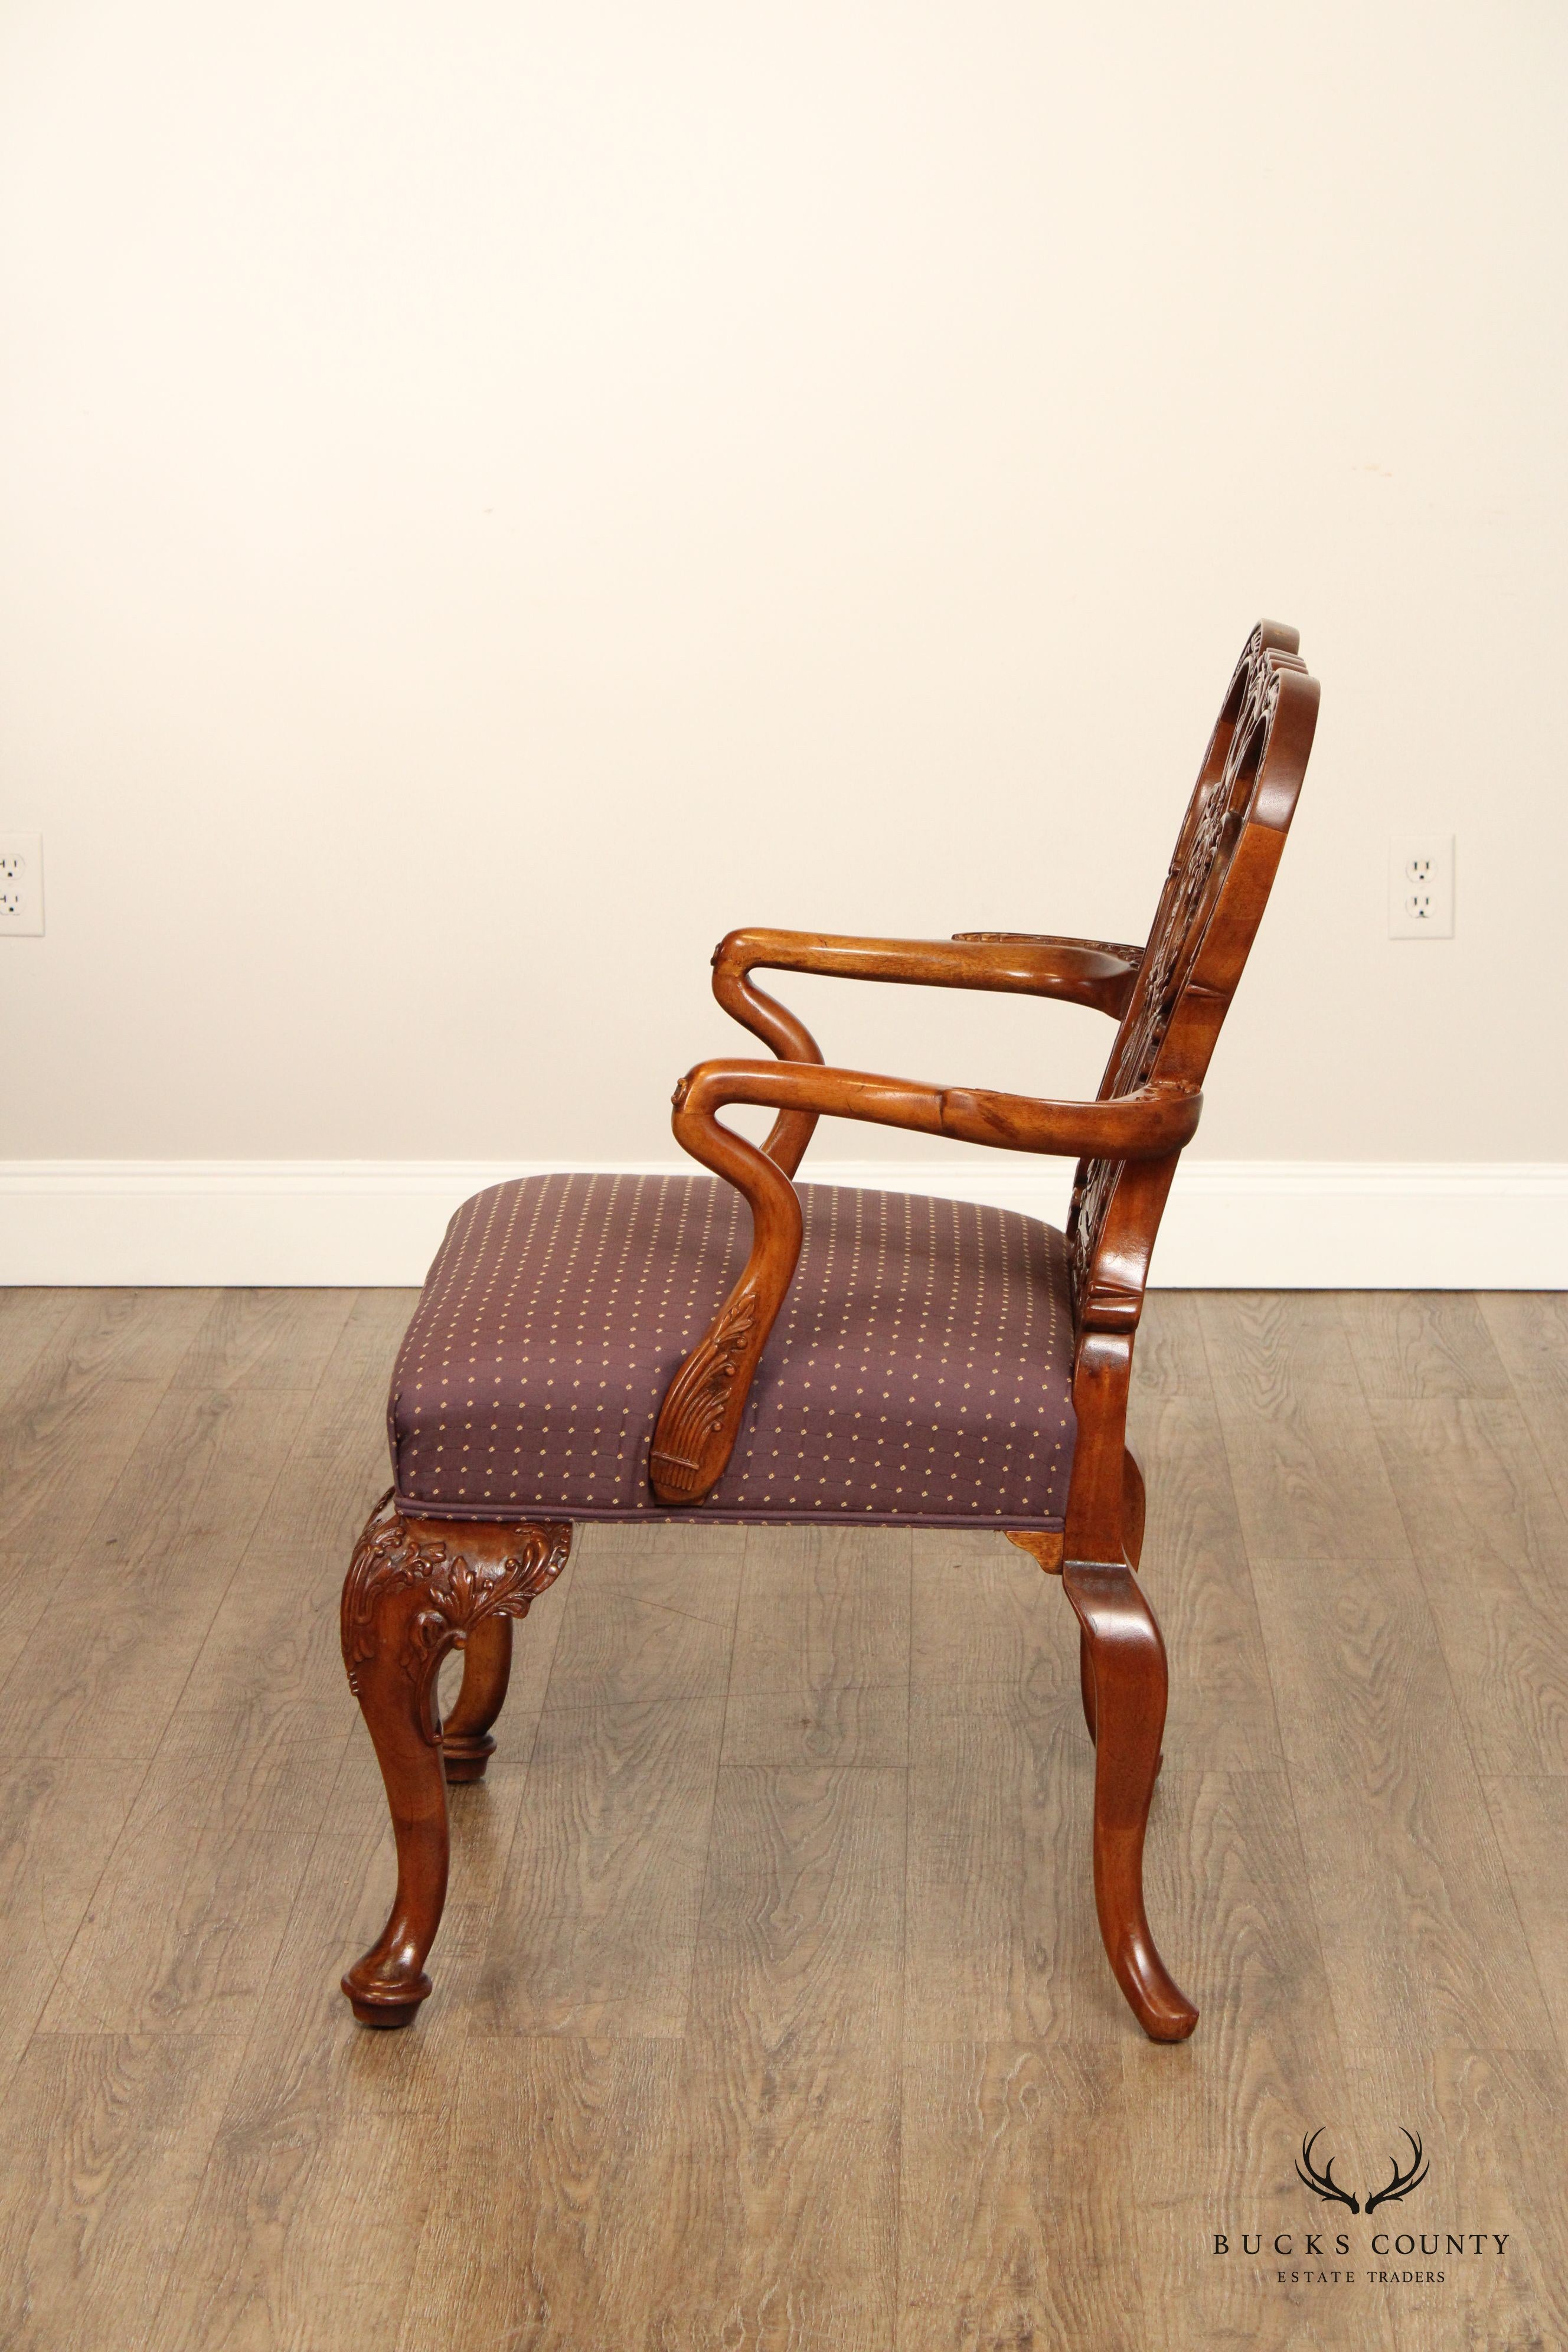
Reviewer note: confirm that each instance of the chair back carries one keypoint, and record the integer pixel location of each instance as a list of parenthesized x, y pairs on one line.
[(1209, 910)]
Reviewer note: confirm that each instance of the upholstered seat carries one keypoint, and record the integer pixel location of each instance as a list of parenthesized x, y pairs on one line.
[(921, 1367)]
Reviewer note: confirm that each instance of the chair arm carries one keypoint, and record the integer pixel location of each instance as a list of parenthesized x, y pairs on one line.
[(1114, 951), (1148, 1124), (700, 1417), (1013, 964), (1078, 972)]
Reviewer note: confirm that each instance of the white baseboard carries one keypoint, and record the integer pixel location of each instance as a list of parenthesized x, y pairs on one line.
[(1276, 1224)]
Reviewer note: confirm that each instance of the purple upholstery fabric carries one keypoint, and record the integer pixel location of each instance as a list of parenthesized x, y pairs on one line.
[(920, 1368)]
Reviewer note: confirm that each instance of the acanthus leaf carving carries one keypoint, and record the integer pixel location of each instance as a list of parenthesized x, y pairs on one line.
[(700, 1398), (455, 1591)]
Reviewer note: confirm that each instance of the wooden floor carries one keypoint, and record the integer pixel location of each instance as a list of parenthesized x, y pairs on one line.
[(770, 2009)]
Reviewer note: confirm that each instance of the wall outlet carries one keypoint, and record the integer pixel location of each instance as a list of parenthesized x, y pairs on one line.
[(21, 884), (1421, 887)]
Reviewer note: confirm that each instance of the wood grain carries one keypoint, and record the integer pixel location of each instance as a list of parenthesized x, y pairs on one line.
[(693, 1567), (1530, 1818), (320, 2160), (58, 1827), (1001, 1786), (28, 1321), (267, 1339), (792, 2085), (1410, 1891), (1531, 1332), (567, 2155), (1300, 1453), (273, 1651), (1013, 2158), (1172, 1359), (595, 1926), (92, 1682), (1493, 2120), (1490, 1542), (106, 2139), (737, 2043), (821, 1667), (1519, 2098), (1267, 1349), (189, 1914), (625, 1641), (1303, 1469), (1194, 1569), (1422, 1343), (1216, 2141), (73, 1424)]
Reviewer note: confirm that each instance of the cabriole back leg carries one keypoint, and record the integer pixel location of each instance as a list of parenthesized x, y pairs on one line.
[(1134, 1507), (416, 1588), (465, 1741), (1133, 1516), (1086, 1679), (1124, 1658)]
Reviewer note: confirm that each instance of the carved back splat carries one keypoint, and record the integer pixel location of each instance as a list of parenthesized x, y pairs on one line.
[(1214, 896)]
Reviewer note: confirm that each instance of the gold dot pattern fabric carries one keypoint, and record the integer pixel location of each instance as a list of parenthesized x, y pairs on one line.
[(920, 1369)]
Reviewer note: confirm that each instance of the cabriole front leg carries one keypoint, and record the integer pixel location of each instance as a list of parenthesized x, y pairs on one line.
[(1124, 1659), (416, 1588)]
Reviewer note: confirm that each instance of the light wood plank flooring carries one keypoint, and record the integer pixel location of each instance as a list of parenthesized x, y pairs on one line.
[(771, 2010)]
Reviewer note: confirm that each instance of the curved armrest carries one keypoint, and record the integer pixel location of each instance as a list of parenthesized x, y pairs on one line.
[(1113, 950), (1014, 963), (701, 1416), (1093, 973), (1148, 1124)]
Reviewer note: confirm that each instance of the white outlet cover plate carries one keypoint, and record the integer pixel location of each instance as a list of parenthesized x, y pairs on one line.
[(21, 886), (1421, 885)]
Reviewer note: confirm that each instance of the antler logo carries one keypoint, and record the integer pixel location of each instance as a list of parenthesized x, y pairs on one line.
[(1403, 2182), (1323, 2184)]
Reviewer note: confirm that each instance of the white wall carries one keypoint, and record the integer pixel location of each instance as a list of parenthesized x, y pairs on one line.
[(499, 493)]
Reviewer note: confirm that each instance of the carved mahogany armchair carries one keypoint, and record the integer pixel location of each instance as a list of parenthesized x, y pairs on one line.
[(622, 1348)]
